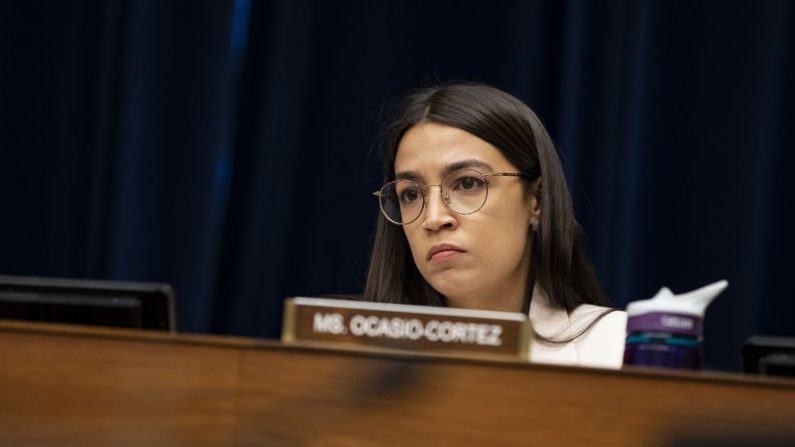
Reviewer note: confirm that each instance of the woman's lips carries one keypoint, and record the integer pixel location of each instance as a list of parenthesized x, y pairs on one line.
[(443, 252), (444, 255)]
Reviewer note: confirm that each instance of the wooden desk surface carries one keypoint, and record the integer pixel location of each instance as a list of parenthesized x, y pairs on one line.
[(70, 385)]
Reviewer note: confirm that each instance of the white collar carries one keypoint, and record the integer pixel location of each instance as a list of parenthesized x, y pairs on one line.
[(550, 321)]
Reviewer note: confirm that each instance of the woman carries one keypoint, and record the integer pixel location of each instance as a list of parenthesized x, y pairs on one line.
[(476, 214)]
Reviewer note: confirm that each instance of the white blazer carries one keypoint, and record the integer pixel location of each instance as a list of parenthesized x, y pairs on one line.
[(602, 346)]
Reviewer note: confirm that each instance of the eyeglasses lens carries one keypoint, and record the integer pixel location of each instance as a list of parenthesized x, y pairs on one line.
[(466, 191), (401, 201)]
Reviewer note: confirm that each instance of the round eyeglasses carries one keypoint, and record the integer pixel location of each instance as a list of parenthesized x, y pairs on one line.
[(464, 191)]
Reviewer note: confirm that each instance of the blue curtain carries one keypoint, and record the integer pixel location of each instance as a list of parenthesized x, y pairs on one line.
[(230, 148)]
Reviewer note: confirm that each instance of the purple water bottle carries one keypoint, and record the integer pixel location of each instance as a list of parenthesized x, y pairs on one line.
[(667, 330)]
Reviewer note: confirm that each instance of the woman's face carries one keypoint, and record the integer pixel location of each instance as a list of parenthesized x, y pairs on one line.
[(478, 260)]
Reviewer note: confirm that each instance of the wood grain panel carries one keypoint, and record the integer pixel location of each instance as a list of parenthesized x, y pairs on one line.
[(77, 390), (448, 402), (67, 386)]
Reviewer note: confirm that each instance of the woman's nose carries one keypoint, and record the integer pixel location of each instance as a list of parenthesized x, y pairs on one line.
[(437, 215)]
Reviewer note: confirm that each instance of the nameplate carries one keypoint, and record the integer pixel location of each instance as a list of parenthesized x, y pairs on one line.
[(406, 327)]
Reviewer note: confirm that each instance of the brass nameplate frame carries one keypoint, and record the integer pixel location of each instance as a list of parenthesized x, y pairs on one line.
[(406, 327)]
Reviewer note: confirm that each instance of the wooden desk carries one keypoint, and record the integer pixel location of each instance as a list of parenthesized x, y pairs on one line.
[(62, 385)]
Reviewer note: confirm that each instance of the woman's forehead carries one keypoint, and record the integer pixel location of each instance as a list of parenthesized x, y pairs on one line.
[(430, 149)]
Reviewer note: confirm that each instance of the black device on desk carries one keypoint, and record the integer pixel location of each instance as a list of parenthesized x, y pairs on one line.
[(767, 355), (88, 302)]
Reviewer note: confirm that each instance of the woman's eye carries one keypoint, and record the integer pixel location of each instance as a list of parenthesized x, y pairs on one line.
[(469, 183), (409, 195)]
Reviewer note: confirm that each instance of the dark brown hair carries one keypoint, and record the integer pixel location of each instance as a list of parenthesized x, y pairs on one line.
[(559, 264)]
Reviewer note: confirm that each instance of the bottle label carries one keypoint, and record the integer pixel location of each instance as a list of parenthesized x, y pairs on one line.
[(665, 322)]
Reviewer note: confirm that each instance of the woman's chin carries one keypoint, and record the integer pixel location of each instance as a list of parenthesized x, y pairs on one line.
[(454, 295)]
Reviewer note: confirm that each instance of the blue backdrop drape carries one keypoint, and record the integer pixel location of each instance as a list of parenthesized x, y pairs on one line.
[(230, 148)]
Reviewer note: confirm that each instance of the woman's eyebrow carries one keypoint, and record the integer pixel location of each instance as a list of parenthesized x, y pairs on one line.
[(463, 164), (408, 175), (452, 167)]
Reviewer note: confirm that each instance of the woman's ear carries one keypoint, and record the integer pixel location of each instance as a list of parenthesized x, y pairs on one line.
[(535, 217), (535, 205)]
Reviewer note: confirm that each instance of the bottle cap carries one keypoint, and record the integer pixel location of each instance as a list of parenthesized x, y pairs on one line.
[(666, 312)]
